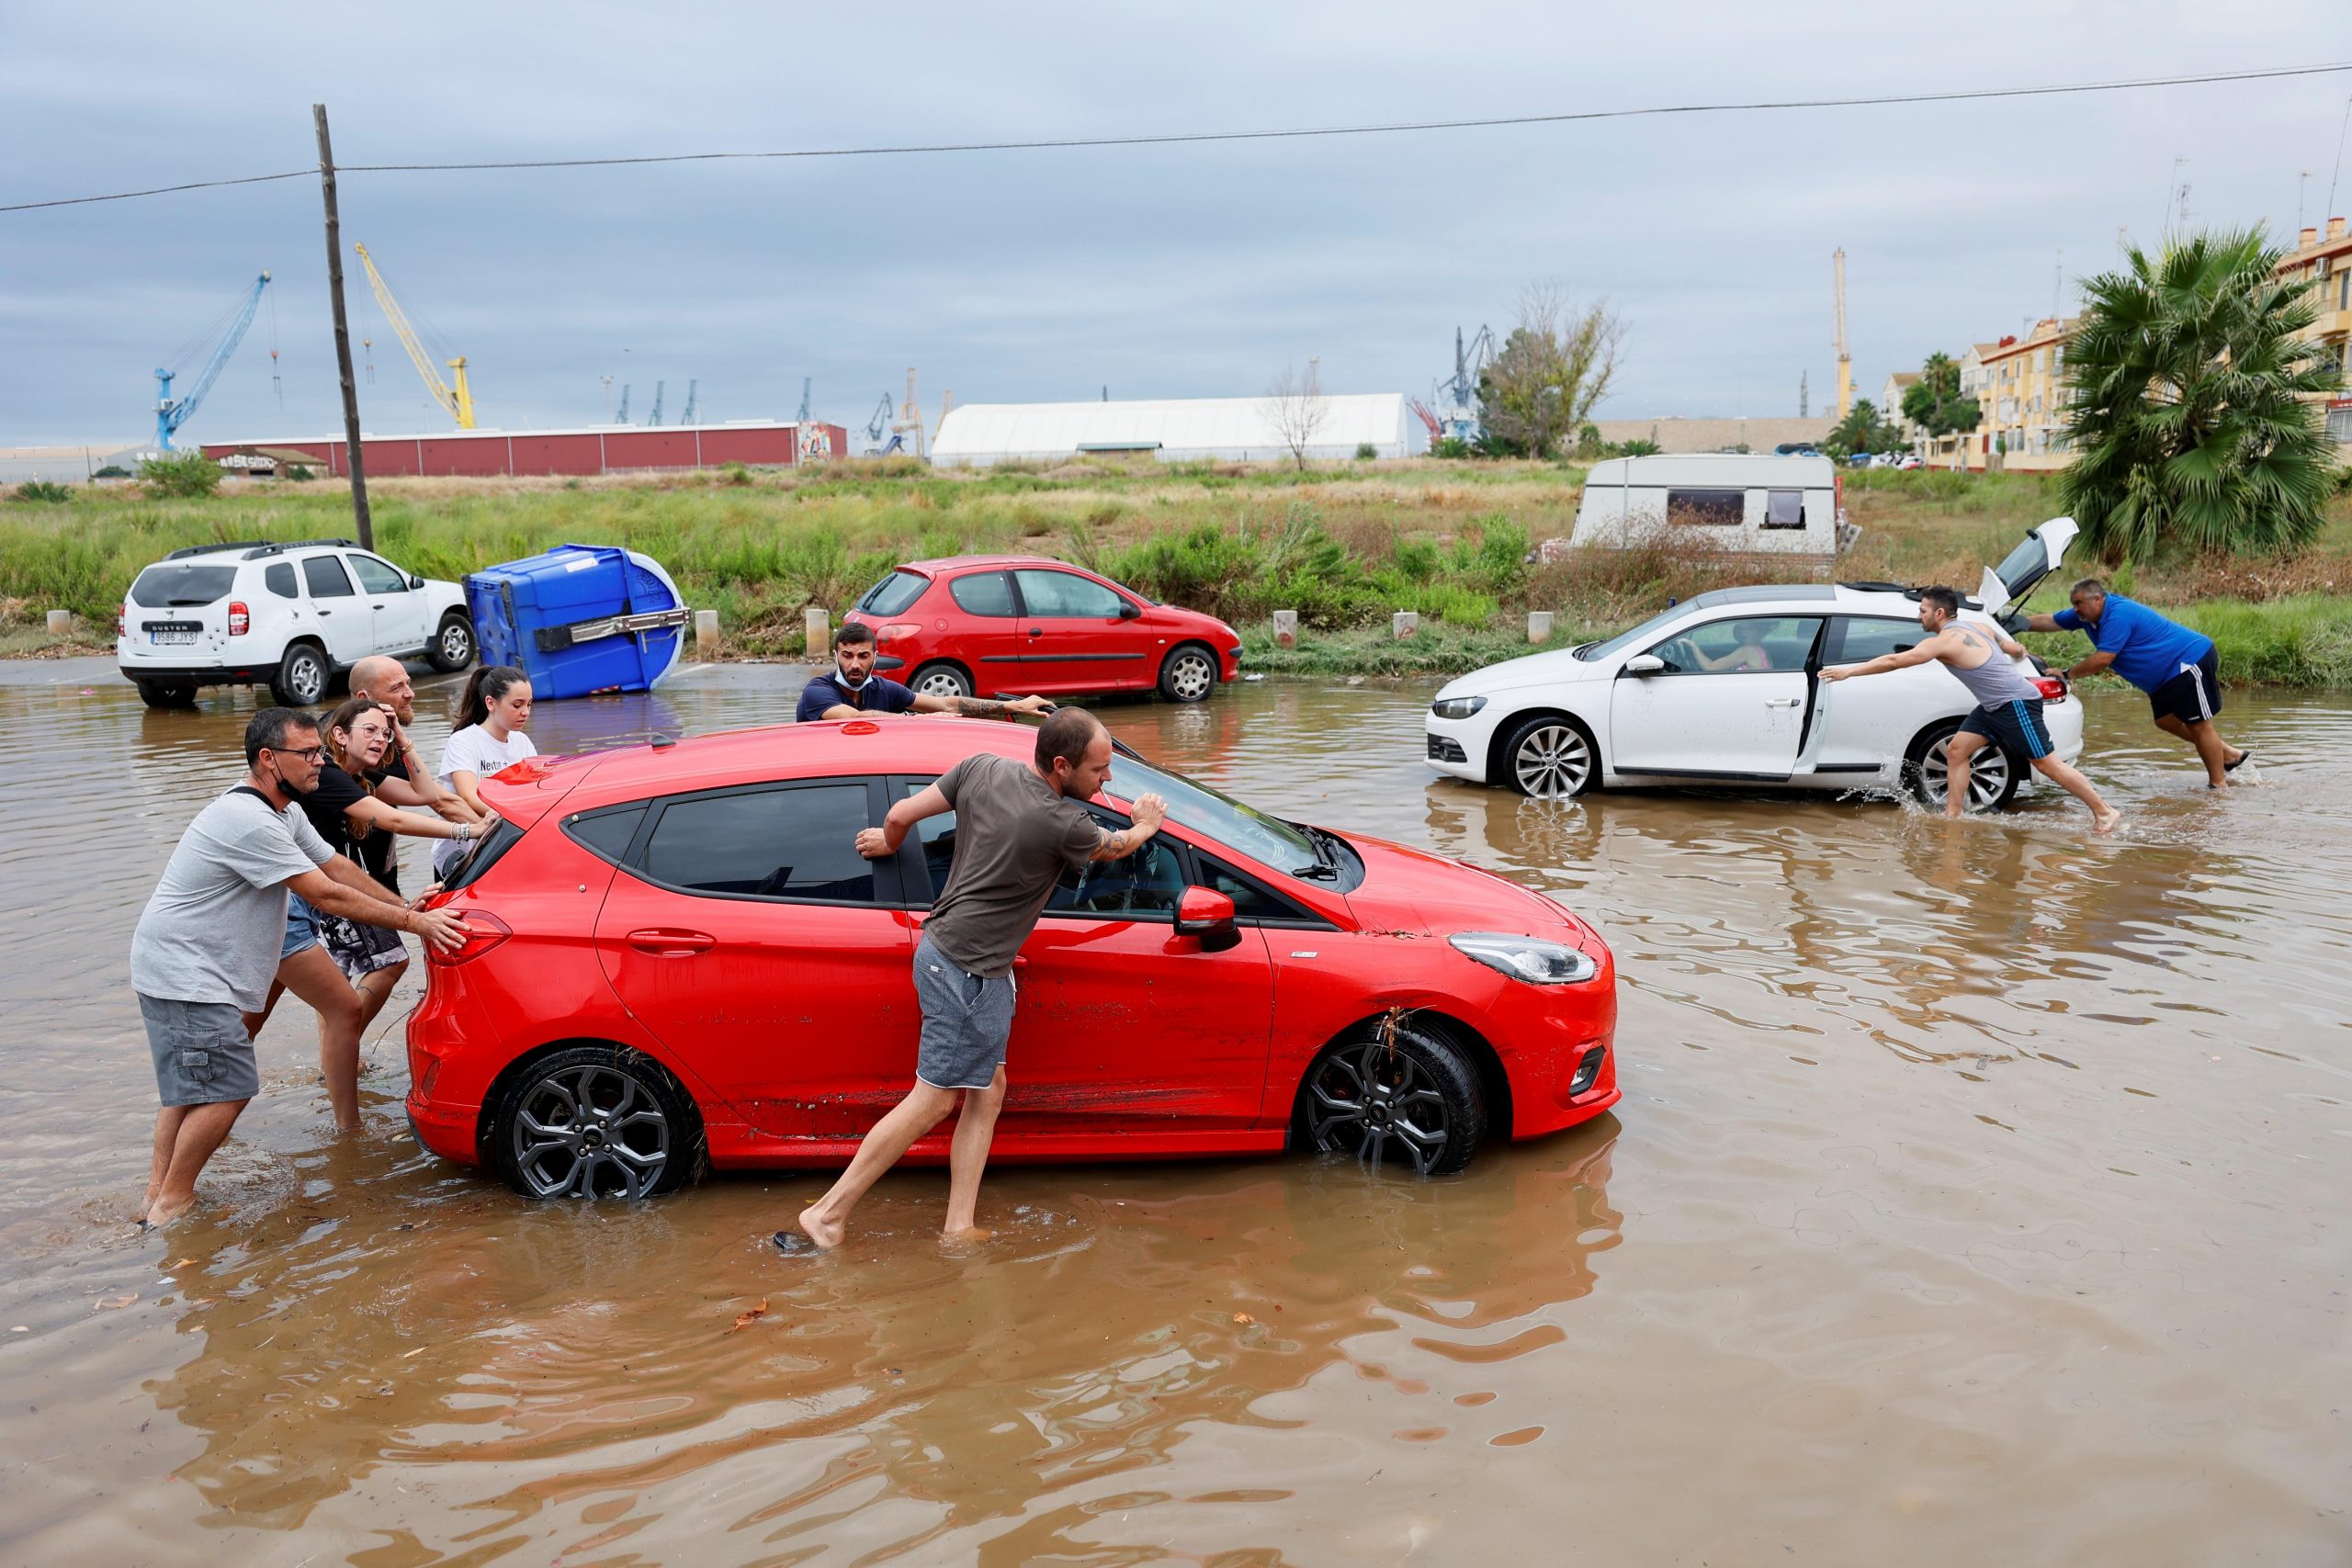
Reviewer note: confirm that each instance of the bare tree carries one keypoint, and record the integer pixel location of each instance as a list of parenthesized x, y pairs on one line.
[(1554, 367), (1297, 407)]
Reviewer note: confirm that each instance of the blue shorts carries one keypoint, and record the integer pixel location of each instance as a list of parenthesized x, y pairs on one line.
[(966, 1021), (2016, 728), (302, 927)]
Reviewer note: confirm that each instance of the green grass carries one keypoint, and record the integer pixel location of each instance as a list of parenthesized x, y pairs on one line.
[(1345, 545)]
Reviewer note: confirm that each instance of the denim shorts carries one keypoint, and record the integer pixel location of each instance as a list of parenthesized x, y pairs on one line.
[(302, 927), (966, 1021), (202, 1055)]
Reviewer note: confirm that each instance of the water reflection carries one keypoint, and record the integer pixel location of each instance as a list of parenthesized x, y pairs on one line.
[(1953, 1159)]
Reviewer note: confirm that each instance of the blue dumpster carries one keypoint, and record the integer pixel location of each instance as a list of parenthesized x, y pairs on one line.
[(580, 618)]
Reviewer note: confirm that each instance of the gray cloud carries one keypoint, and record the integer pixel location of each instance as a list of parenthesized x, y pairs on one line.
[(1165, 271)]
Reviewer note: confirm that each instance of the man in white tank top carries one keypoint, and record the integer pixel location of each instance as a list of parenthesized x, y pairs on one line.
[(2008, 708)]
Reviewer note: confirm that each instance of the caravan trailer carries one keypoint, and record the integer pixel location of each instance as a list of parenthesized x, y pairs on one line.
[(1735, 503)]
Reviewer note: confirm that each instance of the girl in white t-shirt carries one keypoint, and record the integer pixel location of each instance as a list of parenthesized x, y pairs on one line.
[(492, 718)]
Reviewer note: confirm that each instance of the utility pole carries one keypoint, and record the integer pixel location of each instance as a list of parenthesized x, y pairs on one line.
[(343, 334)]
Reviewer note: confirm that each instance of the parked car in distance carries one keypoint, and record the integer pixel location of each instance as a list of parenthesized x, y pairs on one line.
[(1796, 449), (1725, 689), (677, 952), (1910, 460), (288, 615), (985, 626)]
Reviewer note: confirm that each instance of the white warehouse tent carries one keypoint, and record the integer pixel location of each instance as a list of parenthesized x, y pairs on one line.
[(1239, 429)]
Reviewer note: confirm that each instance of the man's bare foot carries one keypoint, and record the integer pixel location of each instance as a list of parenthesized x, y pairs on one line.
[(817, 1228), (968, 1236), (163, 1214), (2107, 820)]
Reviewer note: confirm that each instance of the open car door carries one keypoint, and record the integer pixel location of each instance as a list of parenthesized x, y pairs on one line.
[(2042, 553)]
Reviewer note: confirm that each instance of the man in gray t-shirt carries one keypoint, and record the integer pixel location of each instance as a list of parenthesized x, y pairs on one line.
[(1018, 828), (210, 938)]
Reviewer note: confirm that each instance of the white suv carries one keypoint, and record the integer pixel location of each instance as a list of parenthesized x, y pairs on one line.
[(1724, 689), (291, 614)]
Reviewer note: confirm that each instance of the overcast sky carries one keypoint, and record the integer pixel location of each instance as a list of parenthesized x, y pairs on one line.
[(1157, 272)]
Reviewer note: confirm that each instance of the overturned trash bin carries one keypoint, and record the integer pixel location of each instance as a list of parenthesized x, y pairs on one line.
[(580, 618)]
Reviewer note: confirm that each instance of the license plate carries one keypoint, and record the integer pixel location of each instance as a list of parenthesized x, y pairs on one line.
[(168, 639)]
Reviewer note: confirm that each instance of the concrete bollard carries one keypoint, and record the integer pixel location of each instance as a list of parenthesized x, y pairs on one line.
[(1539, 626), (1285, 629), (1403, 624), (705, 631), (819, 625), (61, 622)]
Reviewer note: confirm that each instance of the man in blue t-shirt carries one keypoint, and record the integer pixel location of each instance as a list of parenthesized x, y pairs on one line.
[(2172, 663), (852, 688)]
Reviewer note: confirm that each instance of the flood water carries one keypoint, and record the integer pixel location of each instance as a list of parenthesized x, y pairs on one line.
[(1978, 1195)]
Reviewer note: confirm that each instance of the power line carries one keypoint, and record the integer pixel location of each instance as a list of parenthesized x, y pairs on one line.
[(160, 190), (1295, 133)]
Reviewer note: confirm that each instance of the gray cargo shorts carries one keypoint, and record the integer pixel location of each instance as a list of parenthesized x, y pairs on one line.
[(202, 1056), (966, 1021)]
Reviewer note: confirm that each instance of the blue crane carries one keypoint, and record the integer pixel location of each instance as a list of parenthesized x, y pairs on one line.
[(172, 412), (808, 383)]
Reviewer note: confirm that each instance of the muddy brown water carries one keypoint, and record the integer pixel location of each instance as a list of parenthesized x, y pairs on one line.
[(1978, 1195)]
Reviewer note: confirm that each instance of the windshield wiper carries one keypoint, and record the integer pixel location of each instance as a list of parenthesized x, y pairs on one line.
[(1326, 855)]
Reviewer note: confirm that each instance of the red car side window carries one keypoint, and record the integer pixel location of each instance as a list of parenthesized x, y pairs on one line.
[(982, 593)]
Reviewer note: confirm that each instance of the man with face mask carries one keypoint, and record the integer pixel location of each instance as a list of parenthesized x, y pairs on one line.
[(851, 689), (211, 936)]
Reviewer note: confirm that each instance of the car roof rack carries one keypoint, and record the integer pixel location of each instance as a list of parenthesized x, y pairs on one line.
[(213, 549), (305, 544)]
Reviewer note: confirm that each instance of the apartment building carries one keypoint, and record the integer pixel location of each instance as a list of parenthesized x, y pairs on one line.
[(2323, 259), (2023, 396), (1890, 403)]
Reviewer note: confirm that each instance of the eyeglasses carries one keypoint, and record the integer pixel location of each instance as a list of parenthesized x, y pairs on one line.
[(308, 753)]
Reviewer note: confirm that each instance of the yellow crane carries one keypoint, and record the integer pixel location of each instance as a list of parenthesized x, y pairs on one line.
[(460, 402), (1845, 360)]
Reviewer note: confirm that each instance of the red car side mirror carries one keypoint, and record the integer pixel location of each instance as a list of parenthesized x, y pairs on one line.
[(1207, 914)]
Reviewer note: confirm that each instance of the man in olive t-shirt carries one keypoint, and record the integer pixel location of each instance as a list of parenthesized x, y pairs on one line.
[(1018, 828)]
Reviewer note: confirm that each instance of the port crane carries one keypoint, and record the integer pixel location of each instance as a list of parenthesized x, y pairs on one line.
[(172, 412), (884, 412), (693, 387), (620, 416), (1457, 396), (807, 385), (657, 403), (460, 399), (909, 422), (1837, 341)]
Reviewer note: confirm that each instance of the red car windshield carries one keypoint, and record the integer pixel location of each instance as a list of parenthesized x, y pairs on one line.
[(1267, 840)]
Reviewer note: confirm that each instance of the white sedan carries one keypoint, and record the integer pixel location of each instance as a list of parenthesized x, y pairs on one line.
[(1724, 689)]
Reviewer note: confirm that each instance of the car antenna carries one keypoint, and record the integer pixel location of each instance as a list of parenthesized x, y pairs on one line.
[(662, 742)]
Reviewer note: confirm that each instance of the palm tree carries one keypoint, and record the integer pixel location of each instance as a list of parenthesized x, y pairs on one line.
[(2190, 410)]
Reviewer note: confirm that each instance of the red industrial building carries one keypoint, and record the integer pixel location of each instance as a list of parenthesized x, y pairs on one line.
[(595, 449)]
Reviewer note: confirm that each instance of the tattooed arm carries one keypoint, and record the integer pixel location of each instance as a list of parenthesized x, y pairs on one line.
[(978, 707), (1150, 811)]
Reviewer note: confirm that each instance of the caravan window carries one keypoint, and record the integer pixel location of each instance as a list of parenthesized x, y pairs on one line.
[(1705, 508), (1784, 509)]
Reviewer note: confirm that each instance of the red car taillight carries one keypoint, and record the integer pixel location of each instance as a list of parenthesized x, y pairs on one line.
[(2051, 687), (122, 620), (241, 620), (484, 931), (897, 630)]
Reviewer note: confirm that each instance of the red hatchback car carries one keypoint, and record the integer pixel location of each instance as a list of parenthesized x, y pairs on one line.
[(984, 626), (679, 957)]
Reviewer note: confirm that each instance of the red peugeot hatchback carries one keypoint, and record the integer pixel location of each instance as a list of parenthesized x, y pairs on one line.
[(982, 626), (679, 957)]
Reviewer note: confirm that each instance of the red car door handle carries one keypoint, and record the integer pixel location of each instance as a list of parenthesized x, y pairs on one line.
[(1037, 631), (665, 943)]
